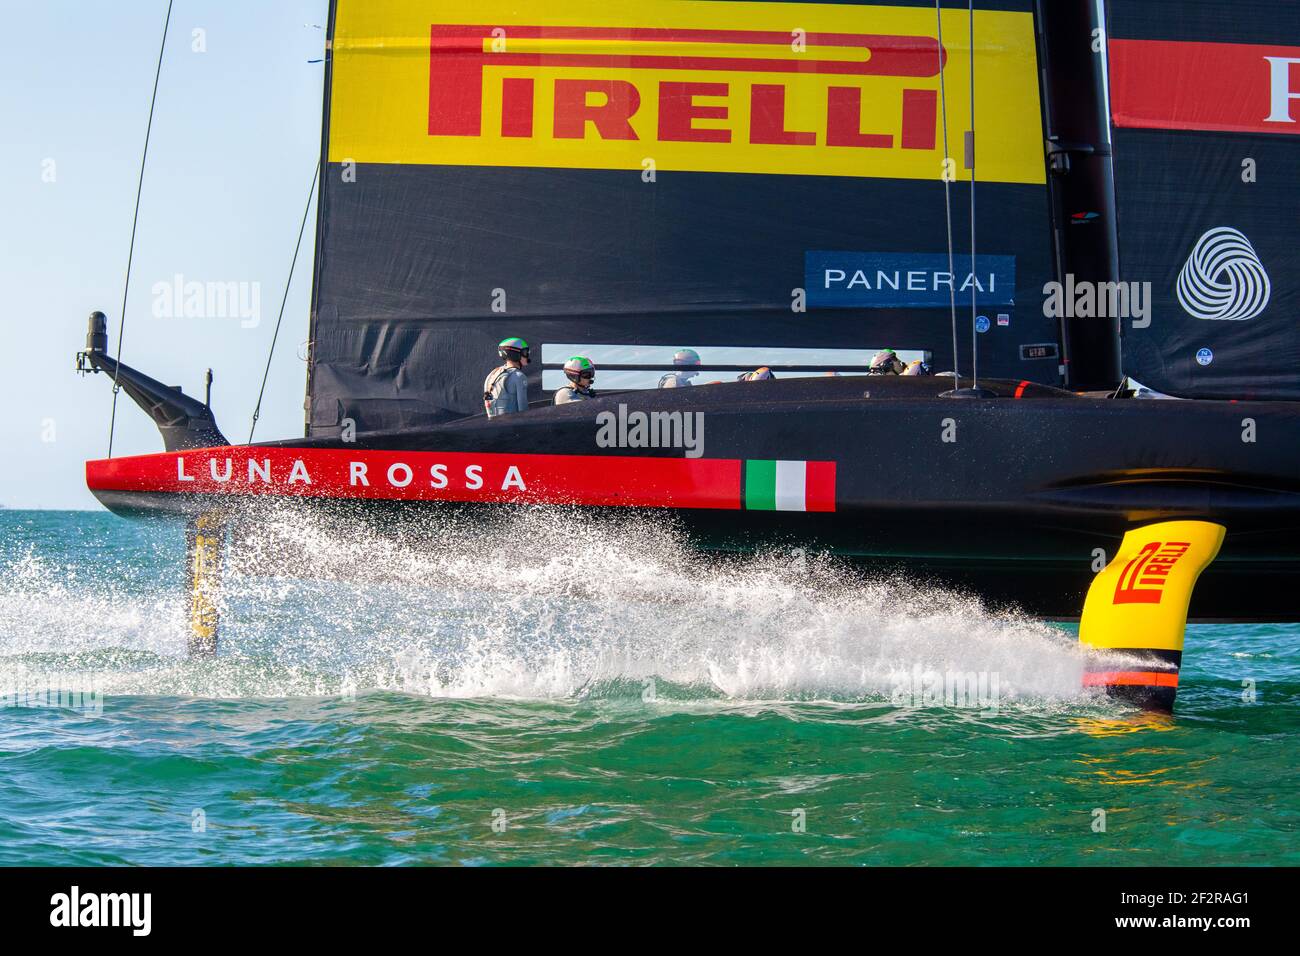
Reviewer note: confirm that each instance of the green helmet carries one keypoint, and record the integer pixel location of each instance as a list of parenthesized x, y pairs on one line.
[(513, 348), (886, 362), (579, 366)]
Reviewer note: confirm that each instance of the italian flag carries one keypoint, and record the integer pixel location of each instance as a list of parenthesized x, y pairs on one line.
[(789, 485)]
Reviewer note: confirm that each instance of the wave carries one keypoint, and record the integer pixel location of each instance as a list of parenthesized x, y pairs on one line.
[(539, 604)]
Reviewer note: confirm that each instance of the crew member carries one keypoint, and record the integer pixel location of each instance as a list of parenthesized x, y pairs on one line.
[(580, 373), (505, 390), (886, 362), (917, 367), (758, 375), (688, 362)]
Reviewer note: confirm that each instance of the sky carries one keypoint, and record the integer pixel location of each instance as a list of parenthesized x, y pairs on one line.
[(235, 141)]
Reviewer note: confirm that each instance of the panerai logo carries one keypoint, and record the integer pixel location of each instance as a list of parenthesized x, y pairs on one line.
[(651, 430), (896, 280), (103, 909)]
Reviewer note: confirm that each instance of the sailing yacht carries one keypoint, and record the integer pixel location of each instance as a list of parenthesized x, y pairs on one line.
[(799, 186)]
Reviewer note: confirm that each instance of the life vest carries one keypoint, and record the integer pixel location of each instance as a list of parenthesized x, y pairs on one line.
[(495, 386), (575, 394)]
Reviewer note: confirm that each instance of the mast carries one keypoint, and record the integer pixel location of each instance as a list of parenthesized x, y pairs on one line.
[(1081, 181), (320, 211)]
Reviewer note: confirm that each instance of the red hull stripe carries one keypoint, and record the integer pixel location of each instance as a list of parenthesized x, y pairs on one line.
[(1164, 84), (598, 480), (1131, 678)]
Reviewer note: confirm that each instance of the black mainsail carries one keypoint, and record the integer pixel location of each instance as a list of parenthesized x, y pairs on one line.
[(761, 182), (1205, 98)]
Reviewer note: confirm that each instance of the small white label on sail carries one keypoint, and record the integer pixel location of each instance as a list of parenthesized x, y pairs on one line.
[(790, 486)]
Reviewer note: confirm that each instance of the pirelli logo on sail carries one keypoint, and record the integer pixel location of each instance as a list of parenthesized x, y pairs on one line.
[(804, 89), (1144, 578)]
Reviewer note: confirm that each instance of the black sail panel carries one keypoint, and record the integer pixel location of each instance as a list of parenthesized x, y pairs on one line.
[(1205, 101), (760, 182)]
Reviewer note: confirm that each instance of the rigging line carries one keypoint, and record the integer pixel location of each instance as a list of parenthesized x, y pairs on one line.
[(288, 282), (135, 219), (947, 191), (974, 333)]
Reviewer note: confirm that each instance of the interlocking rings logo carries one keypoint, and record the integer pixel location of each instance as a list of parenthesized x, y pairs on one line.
[(1223, 278)]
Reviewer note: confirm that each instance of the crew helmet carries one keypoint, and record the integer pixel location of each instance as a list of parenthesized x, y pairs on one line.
[(886, 362), (579, 367), (513, 348)]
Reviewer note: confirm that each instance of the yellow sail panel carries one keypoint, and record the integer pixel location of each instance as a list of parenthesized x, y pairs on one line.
[(785, 88)]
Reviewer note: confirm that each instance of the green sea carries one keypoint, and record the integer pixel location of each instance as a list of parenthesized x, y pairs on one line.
[(551, 691)]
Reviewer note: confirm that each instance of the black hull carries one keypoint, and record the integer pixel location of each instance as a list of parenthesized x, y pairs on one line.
[(1012, 498)]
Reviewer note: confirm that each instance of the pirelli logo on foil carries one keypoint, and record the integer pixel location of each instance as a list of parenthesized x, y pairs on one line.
[(1144, 578), (803, 89)]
